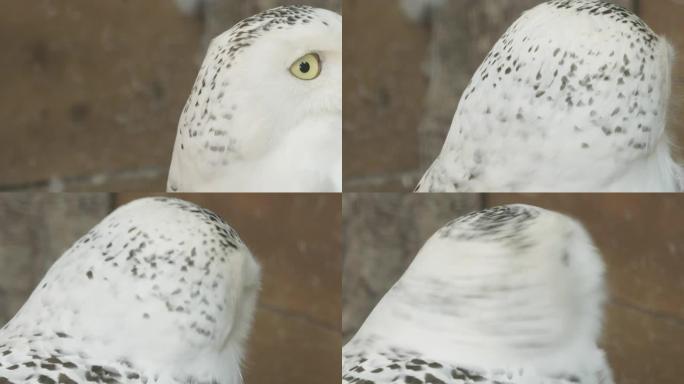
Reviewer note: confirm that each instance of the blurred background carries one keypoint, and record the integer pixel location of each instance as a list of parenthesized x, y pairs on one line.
[(406, 64), (641, 238), (295, 238), (93, 91)]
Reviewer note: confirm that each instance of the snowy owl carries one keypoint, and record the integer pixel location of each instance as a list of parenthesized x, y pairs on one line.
[(265, 113), (160, 291), (573, 97), (511, 294)]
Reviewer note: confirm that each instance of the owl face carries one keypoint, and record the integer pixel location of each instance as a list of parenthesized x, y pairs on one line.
[(286, 78), (270, 87)]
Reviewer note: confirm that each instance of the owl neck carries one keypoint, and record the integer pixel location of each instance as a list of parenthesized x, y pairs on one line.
[(204, 368), (516, 169), (658, 172), (154, 351)]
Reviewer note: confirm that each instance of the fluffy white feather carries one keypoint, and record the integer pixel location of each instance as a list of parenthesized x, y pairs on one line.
[(161, 291), (249, 124), (573, 97), (510, 294)]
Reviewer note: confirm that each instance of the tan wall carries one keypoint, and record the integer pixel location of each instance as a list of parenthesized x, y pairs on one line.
[(92, 90), (403, 79), (641, 238), (296, 337)]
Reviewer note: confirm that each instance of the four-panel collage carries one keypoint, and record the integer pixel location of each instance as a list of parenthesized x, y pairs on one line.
[(342, 191)]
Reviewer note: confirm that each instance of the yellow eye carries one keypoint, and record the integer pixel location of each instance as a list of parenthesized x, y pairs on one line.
[(307, 67)]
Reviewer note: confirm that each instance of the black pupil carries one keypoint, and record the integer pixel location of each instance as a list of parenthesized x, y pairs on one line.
[(304, 67)]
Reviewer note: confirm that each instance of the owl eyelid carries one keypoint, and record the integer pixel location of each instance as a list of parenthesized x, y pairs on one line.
[(301, 57)]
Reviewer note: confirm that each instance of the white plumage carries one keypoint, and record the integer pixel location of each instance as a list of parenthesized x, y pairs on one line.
[(250, 124), (511, 294), (161, 291), (573, 97)]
